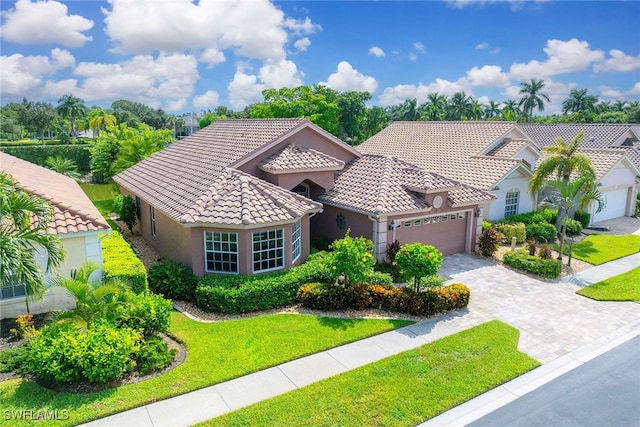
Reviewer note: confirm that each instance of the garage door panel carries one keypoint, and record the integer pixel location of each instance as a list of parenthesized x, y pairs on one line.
[(616, 205), (449, 236)]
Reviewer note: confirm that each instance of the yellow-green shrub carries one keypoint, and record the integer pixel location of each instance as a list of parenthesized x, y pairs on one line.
[(121, 262)]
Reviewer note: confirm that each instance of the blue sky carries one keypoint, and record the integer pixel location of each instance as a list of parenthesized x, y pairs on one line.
[(183, 55)]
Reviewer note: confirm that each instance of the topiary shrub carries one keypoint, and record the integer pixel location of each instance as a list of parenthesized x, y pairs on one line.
[(352, 256), (172, 280), (573, 227), (521, 260), (417, 260), (510, 230), (542, 232), (121, 262), (489, 241), (583, 217)]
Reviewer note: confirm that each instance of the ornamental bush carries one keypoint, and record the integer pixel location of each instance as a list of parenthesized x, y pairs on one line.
[(510, 230), (583, 217), (521, 260), (417, 260), (352, 256), (173, 280), (154, 354), (148, 313), (542, 232), (574, 228), (121, 262), (489, 241)]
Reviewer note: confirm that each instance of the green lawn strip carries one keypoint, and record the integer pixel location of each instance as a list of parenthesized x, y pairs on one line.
[(624, 287), (105, 207), (401, 390), (99, 191), (216, 352), (597, 249)]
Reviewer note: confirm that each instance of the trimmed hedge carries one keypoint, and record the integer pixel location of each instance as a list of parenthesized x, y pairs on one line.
[(548, 215), (574, 228), (511, 230), (542, 231), (400, 299), (520, 259), (583, 217), (121, 262), (173, 280), (38, 154)]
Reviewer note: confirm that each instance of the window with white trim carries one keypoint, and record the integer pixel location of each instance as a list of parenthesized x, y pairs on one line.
[(221, 252), (268, 250), (12, 289), (152, 211), (295, 240), (302, 189), (511, 203)]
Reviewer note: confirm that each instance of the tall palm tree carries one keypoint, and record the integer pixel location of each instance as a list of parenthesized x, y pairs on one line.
[(532, 97), (435, 107), (619, 105), (24, 219), (581, 104), (569, 195), (99, 119), (460, 106), (72, 108), (492, 110)]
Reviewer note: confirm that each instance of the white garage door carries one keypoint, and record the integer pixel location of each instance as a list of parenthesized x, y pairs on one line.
[(616, 205)]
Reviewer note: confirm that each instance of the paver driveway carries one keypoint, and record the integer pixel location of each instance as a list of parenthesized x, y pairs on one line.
[(553, 320)]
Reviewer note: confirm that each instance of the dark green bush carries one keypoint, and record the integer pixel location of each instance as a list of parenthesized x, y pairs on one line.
[(154, 355), (379, 278), (583, 217), (38, 154), (121, 262), (574, 228), (521, 260), (15, 359), (550, 216), (173, 280), (510, 230), (392, 270), (543, 232), (62, 353), (489, 241), (148, 313), (126, 209), (525, 218)]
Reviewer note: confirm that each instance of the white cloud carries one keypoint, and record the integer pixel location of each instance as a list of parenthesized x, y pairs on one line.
[(302, 44), (413, 57), (376, 51), (55, 89), (563, 57), (62, 59), (22, 74), (244, 89), (635, 90), (399, 93), (419, 47), (488, 76), (301, 27), (608, 92), (206, 100), (44, 22), (482, 46), (347, 78), (278, 74), (212, 57), (618, 61)]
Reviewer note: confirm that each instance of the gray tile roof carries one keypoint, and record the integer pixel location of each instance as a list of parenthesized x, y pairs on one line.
[(237, 198), (294, 158), (73, 212), (450, 148), (175, 178), (375, 184), (597, 135)]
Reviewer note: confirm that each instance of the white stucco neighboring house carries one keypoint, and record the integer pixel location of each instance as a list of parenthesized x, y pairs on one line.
[(76, 221)]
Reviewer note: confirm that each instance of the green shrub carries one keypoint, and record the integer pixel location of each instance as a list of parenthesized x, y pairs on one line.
[(489, 241), (126, 209), (486, 224), (525, 218), (417, 260), (573, 227), (121, 262), (392, 270), (434, 281), (521, 260), (352, 256), (241, 294), (62, 353), (379, 278), (38, 154), (550, 216), (330, 296), (583, 217), (542, 232), (173, 280), (154, 354), (148, 313), (15, 359), (510, 230)]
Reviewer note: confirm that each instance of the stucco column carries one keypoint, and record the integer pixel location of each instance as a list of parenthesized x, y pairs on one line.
[(379, 238)]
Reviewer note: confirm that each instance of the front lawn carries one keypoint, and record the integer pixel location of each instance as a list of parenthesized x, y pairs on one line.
[(624, 287), (401, 390), (597, 249), (99, 191), (217, 352)]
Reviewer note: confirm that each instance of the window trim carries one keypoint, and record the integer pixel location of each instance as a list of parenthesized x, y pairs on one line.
[(236, 253), (296, 240), (281, 248), (512, 207), (307, 190)]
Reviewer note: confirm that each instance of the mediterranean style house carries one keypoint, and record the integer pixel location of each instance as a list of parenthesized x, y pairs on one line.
[(76, 221), (248, 196)]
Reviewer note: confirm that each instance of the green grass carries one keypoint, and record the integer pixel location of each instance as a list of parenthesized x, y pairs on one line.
[(597, 249), (97, 192), (624, 287), (216, 352), (401, 390)]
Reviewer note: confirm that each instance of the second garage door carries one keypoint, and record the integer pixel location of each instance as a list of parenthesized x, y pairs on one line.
[(616, 205)]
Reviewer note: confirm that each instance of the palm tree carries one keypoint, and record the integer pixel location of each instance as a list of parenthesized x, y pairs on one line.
[(64, 166), (24, 219), (619, 106), (569, 195), (408, 111), (100, 119), (72, 108), (532, 97), (492, 110), (435, 107), (460, 106), (581, 104)]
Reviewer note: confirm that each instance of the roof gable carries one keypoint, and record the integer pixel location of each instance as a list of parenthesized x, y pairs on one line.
[(295, 159)]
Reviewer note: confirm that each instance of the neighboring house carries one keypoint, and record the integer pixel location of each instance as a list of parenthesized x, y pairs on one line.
[(606, 145), (76, 221), (246, 196), (493, 156)]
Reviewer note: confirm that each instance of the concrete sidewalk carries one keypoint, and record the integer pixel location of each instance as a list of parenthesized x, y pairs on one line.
[(561, 332)]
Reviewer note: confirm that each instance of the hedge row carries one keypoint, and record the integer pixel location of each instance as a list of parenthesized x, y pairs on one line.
[(521, 260), (121, 262), (511, 230), (241, 294), (38, 154), (386, 297)]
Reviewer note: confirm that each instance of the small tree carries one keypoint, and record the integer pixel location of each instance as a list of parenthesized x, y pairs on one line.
[(126, 209), (417, 261), (352, 256)]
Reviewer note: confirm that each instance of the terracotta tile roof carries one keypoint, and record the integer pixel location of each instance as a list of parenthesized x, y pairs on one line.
[(72, 209), (375, 184), (237, 198), (294, 158), (450, 148), (173, 179), (596, 135)]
